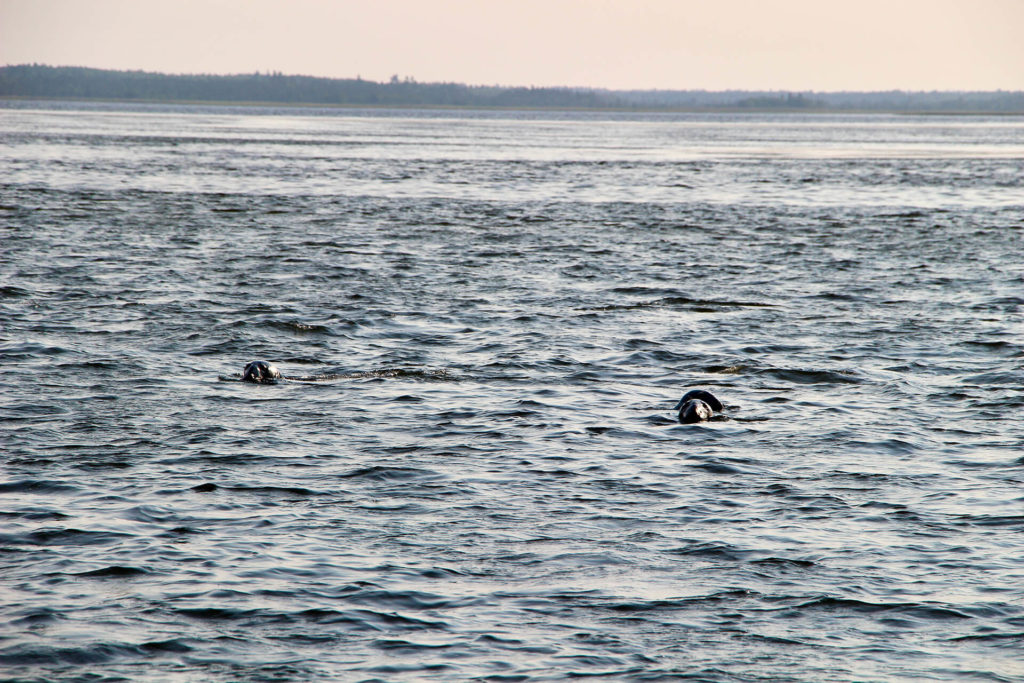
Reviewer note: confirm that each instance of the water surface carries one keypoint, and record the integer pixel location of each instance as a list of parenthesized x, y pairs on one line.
[(492, 485)]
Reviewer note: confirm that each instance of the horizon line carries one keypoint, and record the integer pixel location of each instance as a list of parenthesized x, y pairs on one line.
[(411, 80)]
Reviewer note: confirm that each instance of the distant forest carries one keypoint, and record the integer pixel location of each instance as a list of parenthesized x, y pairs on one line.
[(40, 81)]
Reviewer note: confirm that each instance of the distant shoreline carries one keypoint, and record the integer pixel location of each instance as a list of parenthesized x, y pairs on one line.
[(511, 108), (80, 84)]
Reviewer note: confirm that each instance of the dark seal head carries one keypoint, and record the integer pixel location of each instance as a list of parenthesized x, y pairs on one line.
[(260, 372), (697, 406), (695, 410)]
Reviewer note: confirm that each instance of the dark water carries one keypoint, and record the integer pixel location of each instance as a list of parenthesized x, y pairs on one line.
[(493, 486)]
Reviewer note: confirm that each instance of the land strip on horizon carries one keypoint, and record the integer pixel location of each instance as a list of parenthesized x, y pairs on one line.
[(35, 81)]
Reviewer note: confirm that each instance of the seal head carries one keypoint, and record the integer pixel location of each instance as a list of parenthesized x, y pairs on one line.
[(695, 410), (697, 405), (260, 372)]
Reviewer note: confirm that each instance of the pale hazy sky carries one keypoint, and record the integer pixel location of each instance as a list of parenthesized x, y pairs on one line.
[(672, 44)]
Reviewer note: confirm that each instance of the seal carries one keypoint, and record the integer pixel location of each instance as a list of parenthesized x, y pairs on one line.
[(261, 372), (697, 405)]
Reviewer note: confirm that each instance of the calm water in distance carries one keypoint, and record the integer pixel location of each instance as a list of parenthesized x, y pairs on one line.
[(488, 482)]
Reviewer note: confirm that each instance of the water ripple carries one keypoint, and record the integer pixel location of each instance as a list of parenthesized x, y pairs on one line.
[(473, 470)]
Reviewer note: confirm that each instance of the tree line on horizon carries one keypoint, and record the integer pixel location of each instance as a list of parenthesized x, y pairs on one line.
[(49, 82)]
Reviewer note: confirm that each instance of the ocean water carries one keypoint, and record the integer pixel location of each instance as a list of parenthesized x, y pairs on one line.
[(487, 481)]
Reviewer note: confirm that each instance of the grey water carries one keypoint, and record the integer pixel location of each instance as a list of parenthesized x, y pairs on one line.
[(489, 482)]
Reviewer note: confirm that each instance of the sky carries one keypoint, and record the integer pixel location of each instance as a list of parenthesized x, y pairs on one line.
[(798, 45)]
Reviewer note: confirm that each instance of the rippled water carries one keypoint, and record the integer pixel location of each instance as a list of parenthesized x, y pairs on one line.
[(491, 483)]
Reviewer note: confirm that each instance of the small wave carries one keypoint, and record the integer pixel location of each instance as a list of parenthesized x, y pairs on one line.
[(174, 645), (408, 600), (994, 345), (276, 490), (675, 301), (654, 356), (116, 571), (714, 465), (644, 290), (921, 610), (714, 303), (799, 376), (64, 537), (403, 670), (12, 292), (41, 655), (393, 620), (894, 446), (400, 646), (300, 327), (659, 605), (382, 473), (1012, 639), (992, 520), (10, 352), (784, 563), (35, 514), (37, 615), (735, 369), (712, 551), (837, 296), (1007, 379), (36, 486), (219, 613)]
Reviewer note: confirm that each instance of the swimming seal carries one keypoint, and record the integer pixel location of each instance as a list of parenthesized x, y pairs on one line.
[(261, 372), (697, 405)]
